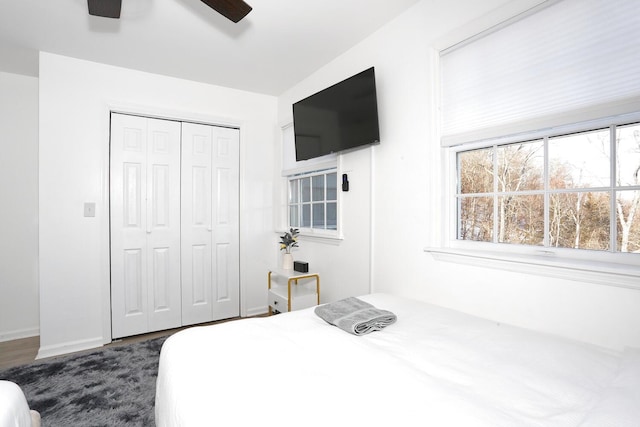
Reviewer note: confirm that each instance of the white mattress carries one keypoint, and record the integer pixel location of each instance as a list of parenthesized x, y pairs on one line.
[(433, 367)]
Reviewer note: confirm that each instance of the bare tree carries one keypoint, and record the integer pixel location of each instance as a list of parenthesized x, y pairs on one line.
[(476, 177), (518, 171), (626, 214), (578, 217)]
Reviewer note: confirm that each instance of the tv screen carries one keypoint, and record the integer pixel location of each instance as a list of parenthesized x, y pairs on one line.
[(338, 118)]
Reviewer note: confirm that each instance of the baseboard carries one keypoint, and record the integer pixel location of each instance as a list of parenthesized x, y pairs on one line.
[(19, 334), (69, 347)]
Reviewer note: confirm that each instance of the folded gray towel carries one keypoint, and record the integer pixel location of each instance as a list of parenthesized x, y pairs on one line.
[(355, 316)]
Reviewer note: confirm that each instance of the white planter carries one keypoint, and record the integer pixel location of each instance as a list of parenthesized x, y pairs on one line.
[(287, 261)]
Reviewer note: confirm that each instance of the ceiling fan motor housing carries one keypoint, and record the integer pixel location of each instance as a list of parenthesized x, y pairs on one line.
[(105, 8)]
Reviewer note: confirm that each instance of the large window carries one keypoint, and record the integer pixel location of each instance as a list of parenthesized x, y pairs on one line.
[(579, 190), (540, 114), (313, 201)]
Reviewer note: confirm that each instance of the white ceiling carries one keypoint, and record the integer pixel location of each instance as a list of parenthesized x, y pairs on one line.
[(277, 45)]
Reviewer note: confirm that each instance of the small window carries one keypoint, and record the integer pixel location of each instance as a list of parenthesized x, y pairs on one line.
[(313, 201)]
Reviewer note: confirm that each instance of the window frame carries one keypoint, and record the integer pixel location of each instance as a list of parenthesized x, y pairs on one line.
[(313, 231), (602, 267)]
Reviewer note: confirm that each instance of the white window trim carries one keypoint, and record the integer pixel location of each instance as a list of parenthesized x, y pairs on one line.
[(318, 234), (604, 268), (601, 273)]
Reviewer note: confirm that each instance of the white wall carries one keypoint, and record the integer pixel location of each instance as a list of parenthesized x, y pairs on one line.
[(343, 264), (75, 99), (18, 206), (407, 196)]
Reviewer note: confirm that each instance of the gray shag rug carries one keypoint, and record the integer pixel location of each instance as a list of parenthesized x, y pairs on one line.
[(114, 386)]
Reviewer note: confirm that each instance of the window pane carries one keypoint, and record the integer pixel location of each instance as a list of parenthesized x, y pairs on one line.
[(318, 188), (521, 219), (628, 221), (293, 216), (294, 196), (579, 220), (308, 206), (305, 187), (306, 216), (628, 158), (575, 189), (318, 215), (475, 171), (332, 216), (521, 166), (580, 160), (476, 218), (332, 192)]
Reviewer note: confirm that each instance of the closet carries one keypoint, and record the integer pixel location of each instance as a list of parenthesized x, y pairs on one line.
[(174, 223)]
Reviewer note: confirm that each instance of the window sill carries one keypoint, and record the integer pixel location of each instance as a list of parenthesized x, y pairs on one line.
[(320, 237), (603, 273)]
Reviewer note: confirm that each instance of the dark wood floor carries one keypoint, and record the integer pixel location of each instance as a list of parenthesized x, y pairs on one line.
[(23, 351)]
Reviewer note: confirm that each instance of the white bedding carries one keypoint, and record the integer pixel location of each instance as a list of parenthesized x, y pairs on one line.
[(433, 367), (14, 409)]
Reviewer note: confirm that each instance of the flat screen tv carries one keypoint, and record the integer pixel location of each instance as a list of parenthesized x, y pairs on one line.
[(341, 117)]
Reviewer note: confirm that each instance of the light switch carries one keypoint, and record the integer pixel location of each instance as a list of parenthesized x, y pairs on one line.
[(89, 209)]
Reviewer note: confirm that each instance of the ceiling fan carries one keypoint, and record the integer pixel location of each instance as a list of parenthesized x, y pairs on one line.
[(234, 10)]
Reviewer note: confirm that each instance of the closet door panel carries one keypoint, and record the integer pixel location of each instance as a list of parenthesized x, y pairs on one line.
[(210, 225), (162, 280), (128, 226), (199, 274), (196, 223), (145, 224), (226, 225), (223, 281), (133, 199), (163, 233), (133, 278), (132, 246)]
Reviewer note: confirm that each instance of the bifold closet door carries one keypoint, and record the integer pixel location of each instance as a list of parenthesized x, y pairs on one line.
[(145, 224), (210, 223)]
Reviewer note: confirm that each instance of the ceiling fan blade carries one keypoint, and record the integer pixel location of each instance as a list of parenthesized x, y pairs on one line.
[(105, 8), (234, 10)]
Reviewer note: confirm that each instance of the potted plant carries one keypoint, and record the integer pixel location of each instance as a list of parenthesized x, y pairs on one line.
[(287, 241)]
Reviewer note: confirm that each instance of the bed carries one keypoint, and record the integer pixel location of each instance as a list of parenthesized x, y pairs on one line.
[(432, 367), (14, 409)]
